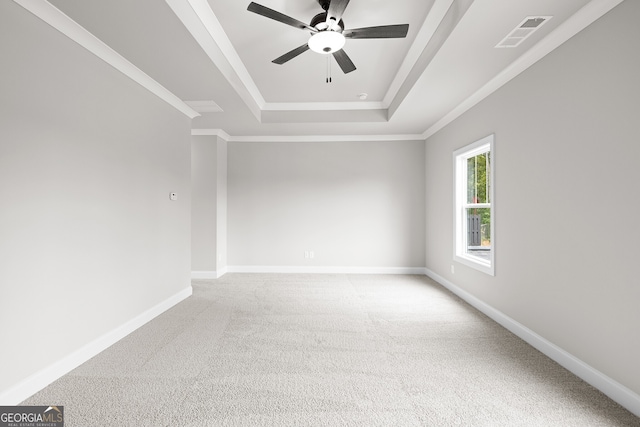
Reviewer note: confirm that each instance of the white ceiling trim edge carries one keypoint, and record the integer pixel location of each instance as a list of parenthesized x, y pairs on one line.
[(211, 132), (569, 28), (67, 26), (204, 27), (323, 106), (211, 23), (456, 12), (434, 17), (304, 138)]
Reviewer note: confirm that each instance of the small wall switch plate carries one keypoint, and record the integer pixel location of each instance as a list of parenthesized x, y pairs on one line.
[(311, 254), (173, 196), (453, 269)]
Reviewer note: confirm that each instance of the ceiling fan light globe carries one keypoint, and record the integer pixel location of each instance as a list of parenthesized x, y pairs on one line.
[(326, 42)]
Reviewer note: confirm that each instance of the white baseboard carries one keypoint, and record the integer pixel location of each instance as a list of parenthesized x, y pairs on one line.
[(324, 270), (46, 376), (616, 391)]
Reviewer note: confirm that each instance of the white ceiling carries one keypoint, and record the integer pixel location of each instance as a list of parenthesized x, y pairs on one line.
[(216, 50)]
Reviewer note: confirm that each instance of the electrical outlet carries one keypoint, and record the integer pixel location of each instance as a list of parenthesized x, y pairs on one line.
[(311, 254), (306, 254)]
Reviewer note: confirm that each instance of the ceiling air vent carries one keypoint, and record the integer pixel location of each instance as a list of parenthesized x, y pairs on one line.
[(528, 26)]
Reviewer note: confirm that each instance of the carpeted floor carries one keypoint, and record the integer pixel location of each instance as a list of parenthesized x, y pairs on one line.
[(325, 350)]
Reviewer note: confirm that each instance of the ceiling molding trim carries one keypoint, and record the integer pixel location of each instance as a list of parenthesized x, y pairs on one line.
[(435, 15), (304, 138), (70, 28), (211, 132), (445, 26), (204, 106), (213, 26), (201, 22), (323, 106), (569, 28)]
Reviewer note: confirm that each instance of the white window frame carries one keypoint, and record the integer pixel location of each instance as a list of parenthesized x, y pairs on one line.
[(460, 157)]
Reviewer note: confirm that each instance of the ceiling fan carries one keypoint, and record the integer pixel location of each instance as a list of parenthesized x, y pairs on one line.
[(327, 32)]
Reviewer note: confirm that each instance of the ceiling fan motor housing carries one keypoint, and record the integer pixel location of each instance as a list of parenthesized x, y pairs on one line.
[(326, 34), (320, 23)]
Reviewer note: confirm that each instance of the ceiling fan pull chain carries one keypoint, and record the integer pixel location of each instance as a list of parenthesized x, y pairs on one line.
[(327, 80)]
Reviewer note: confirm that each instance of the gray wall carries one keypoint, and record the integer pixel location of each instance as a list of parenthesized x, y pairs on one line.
[(204, 157), (351, 203), (221, 206), (566, 157), (208, 204), (88, 236)]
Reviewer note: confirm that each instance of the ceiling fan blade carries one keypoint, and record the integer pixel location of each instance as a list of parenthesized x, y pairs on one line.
[(277, 16), (382, 32), (344, 61), (336, 9), (291, 54)]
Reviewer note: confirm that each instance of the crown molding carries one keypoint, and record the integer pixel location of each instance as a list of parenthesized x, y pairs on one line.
[(211, 132), (304, 138), (435, 15), (569, 28), (323, 106), (202, 23), (67, 26), (445, 24)]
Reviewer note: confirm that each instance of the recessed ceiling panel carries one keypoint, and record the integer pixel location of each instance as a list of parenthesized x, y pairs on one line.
[(259, 40)]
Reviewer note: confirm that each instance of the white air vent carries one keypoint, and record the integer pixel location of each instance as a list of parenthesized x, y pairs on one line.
[(528, 26)]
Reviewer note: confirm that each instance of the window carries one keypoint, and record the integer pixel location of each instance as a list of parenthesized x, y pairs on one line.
[(473, 167)]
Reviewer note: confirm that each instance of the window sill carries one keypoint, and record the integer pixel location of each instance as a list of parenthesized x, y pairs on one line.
[(483, 265)]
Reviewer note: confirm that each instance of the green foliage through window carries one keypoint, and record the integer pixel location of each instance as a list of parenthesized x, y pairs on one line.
[(478, 182), (474, 219)]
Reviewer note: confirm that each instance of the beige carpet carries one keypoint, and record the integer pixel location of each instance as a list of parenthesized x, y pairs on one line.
[(325, 350)]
